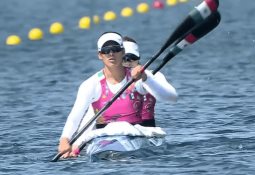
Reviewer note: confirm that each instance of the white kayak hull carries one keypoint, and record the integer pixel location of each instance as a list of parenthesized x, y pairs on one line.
[(121, 137), (106, 145)]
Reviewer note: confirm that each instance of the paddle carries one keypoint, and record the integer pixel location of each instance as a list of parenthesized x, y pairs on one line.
[(198, 32), (190, 22), (196, 16)]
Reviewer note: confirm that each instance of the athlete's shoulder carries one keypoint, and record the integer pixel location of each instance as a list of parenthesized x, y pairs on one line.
[(92, 80)]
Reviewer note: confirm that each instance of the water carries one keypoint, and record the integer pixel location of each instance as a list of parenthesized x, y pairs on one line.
[(210, 129)]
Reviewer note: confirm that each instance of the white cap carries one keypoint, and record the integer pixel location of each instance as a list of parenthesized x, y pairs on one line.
[(131, 47), (111, 36)]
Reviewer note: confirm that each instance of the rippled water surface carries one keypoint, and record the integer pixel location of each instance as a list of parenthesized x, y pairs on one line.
[(210, 129)]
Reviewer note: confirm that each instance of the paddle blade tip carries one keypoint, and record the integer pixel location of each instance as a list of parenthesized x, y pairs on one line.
[(56, 157), (217, 17), (213, 4), (208, 25)]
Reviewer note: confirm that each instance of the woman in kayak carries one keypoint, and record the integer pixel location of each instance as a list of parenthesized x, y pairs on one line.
[(131, 60), (103, 85)]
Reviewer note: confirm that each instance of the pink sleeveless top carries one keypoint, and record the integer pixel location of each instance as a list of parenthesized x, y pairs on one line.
[(148, 107), (125, 108)]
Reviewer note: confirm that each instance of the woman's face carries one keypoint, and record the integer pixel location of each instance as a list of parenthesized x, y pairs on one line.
[(111, 55)]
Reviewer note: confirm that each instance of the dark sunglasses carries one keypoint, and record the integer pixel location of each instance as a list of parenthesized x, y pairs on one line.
[(108, 49), (130, 57)]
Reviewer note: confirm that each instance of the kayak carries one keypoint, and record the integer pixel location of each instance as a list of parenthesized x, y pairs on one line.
[(113, 147), (119, 138)]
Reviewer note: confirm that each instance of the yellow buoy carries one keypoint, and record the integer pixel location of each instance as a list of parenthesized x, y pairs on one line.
[(110, 16), (171, 2), (142, 8), (13, 40), (96, 19), (35, 34), (183, 1), (84, 22), (126, 12), (56, 28)]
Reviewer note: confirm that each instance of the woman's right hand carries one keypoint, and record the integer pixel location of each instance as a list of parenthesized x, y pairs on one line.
[(138, 73), (64, 147)]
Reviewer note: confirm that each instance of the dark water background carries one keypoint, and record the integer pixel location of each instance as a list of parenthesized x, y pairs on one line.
[(210, 129)]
